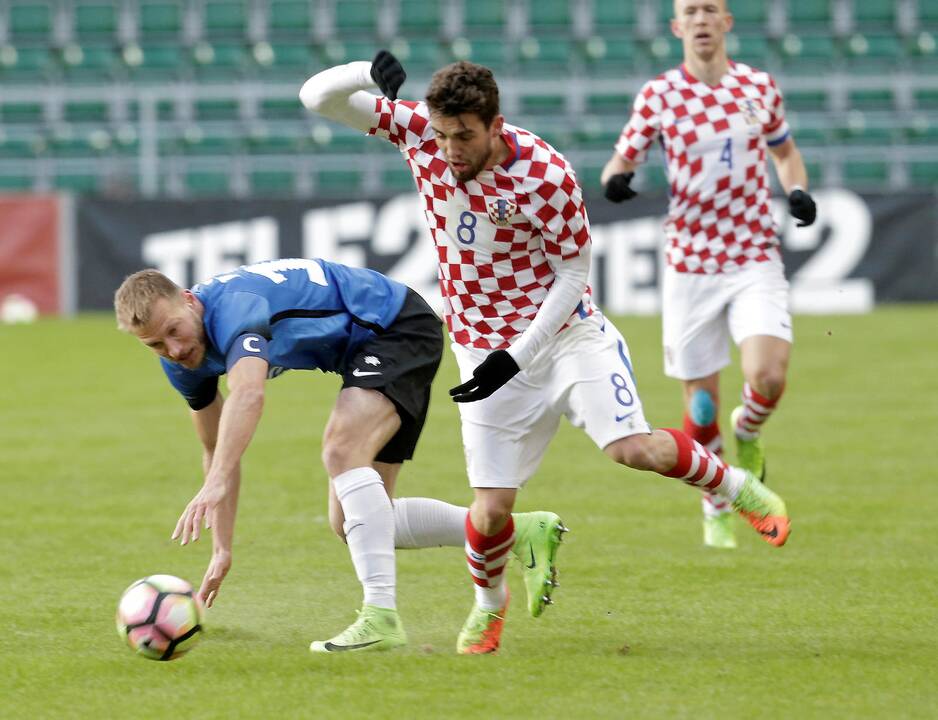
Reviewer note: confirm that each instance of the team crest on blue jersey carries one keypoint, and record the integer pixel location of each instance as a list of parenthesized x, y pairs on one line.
[(501, 211)]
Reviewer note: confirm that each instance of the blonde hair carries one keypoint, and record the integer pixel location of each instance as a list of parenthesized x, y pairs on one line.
[(134, 299)]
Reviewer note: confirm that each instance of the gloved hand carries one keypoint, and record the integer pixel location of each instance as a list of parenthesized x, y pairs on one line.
[(617, 189), (498, 368), (802, 207), (388, 74)]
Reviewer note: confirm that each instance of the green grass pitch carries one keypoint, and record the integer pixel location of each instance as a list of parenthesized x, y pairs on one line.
[(98, 459)]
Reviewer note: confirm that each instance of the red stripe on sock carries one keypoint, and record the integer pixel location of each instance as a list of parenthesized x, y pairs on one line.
[(685, 454), (749, 392)]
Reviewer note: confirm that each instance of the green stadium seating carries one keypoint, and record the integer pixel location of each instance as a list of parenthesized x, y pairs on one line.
[(16, 183), (610, 55), (157, 62), (289, 60), (338, 182), (553, 104), (753, 50), (76, 182), (159, 18), (874, 52), (871, 99), (811, 136), (924, 174), (282, 109), (90, 63), (862, 134), (545, 56), (96, 21), (921, 132), (30, 20), (750, 15), (874, 14), (809, 54), (815, 170), (588, 175), (337, 52), (356, 18), (490, 52), (666, 52), (289, 19), (549, 16), (165, 110), (203, 142), (866, 172), (421, 56), (652, 176), (69, 143), (922, 51), (613, 16), (927, 13), (224, 19), (802, 13), (21, 112), (420, 18), (271, 182), (29, 64), (397, 180), (592, 135), (926, 99), (615, 104), (207, 183), (87, 111), (483, 17), (806, 100), (224, 109), (269, 141), (346, 141), (220, 60), (28, 145)]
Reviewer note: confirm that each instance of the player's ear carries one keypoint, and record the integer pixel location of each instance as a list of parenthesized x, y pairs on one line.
[(676, 28), (498, 124)]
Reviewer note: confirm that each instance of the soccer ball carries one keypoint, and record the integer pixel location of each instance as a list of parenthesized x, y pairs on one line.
[(160, 617)]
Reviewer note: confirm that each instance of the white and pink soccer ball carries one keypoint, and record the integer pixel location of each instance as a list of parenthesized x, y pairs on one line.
[(160, 617)]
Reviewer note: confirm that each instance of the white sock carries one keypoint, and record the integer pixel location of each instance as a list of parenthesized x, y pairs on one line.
[(369, 531), (425, 522), (733, 480), (714, 505)]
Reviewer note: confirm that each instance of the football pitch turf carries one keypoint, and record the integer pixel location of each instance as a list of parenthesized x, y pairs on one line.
[(99, 459)]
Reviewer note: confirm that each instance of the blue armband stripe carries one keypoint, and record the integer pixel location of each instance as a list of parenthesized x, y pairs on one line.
[(247, 345)]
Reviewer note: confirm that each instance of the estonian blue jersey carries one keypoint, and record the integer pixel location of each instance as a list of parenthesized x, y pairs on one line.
[(296, 314)]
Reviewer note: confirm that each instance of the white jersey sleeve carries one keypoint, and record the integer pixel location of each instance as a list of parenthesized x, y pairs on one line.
[(339, 94)]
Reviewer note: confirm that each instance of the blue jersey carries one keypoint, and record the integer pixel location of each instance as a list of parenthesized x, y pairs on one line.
[(296, 314)]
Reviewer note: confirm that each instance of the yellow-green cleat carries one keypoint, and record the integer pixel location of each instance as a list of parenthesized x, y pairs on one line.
[(376, 628), (764, 510), (482, 631), (537, 537), (750, 454), (719, 531)]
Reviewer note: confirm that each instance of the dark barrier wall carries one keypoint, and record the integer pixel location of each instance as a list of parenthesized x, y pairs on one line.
[(863, 249)]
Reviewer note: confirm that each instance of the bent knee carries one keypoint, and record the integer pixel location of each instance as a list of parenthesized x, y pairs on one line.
[(636, 451)]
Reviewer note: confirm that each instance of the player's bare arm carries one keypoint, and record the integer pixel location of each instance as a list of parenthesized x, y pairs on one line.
[(794, 180), (238, 420)]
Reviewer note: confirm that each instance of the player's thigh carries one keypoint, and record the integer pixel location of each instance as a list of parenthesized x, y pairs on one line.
[(506, 434), (595, 383), (695, 335), (361, 423), (760, 303)]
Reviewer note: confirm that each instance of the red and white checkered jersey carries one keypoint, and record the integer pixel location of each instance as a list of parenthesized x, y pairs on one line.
[(714, 138), (499, 236)]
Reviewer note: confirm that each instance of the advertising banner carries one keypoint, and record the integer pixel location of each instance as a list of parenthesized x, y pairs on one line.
[(30, 258)]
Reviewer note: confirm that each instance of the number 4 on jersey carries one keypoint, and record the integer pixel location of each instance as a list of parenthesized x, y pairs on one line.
[(727, 155)]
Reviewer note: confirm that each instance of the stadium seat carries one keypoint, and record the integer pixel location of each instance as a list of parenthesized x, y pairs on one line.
[(588, 175), (289, 19), (345, 140), (860, 133), (490, 52), (552, 104), (86, 111), (922, 50), (926, 99), (617, 105), (753, 50), (338, 182), (807, 13), (927, 14), (545, 56), (397, 180), (923, 174), (337, 52), (27, 145), (203, 142), (420, 18), (811, 136), (21, 112), (290, 60), (666, 52), (273, 141), (594, 135), (613, 16), (483, 17), (29, 21), (282, 109), (27, 64), (68, 142), (152, 62), (866, 173), (271, 182), (90, 63), (652, 177), (16, 183), (610, 55), (548, 16), (165, 110), (224, 109), (224, 19), (809, 54), (874, 14), (750, 15), (95, 21), (806, 100), (921, 132), (421, 56), (220, 60), (871, 99), (76, 182), (356, 18), (207, 183), (159, 18), (874, 52)]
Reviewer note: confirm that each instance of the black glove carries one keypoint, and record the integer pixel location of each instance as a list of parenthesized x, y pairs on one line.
[(802, 207), (617, 189), (497, 369), (388, 74)]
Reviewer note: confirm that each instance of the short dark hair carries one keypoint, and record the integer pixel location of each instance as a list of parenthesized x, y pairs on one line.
[(464, 87)]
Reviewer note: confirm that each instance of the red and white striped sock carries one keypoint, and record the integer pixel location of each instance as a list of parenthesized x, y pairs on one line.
[(701, 468), (487, 557), (708, 436), (756, 410)]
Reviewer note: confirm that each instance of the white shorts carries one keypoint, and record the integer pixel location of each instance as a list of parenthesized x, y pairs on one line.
[(585, 373), (700, 313)]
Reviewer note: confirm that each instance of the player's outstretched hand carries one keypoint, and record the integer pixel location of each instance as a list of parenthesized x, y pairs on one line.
[(200, 509), (617, 188), (388, 74), (498, 368), (802, 207), (217, 570)]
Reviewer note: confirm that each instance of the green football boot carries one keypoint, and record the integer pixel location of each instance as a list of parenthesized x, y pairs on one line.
[(764, 510), (719, 531), (482, 631), (750, 454), (377, 628), (537, 537)]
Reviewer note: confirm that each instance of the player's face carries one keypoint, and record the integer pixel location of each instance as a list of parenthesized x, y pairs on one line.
[(467, 144), (701, 25), (175, 330)]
